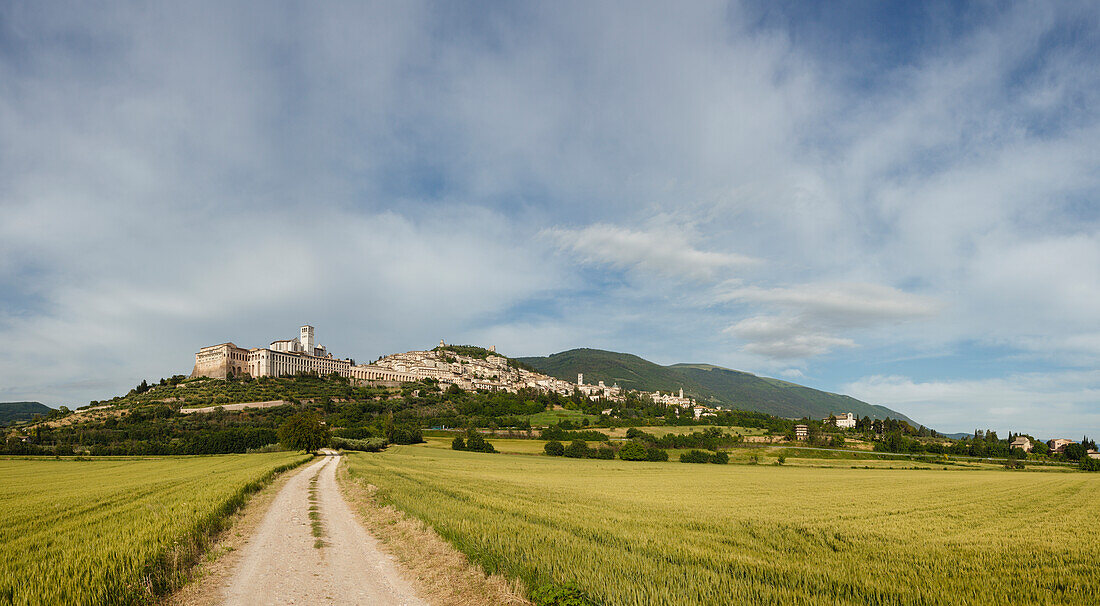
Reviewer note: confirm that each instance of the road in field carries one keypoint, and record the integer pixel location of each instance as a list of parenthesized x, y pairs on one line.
[(281, 565)]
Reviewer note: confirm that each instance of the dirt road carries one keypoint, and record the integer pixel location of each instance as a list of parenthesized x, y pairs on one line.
[(286, 563)]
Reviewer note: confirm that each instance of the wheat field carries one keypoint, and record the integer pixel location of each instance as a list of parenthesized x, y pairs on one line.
[(116, 531), (660, 533)]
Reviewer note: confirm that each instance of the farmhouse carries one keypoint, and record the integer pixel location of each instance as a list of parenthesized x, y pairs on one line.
[(1058, 445), (1022, 443), (801, 432)]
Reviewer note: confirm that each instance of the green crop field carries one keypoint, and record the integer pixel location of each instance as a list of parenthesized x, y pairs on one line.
[(551, 417), (664, 533), (117, 531)]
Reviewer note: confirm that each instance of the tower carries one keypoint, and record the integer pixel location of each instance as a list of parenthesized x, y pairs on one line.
[(580, 378), (306, 339), (681, 393)]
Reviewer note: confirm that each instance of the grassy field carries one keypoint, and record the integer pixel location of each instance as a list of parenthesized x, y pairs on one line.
[(116, 531), (552, 417), (669, 533)]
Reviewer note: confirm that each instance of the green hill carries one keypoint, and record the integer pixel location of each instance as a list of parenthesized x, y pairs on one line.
[(707, 383), (17, 412)]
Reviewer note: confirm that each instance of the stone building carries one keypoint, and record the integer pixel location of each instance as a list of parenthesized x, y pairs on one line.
[(1058, 445), (846, 420), (283, 357)]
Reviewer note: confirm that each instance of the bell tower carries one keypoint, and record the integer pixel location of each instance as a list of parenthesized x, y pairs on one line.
[(306, 339)]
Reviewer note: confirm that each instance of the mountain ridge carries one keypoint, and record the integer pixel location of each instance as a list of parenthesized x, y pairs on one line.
[(707, 383)]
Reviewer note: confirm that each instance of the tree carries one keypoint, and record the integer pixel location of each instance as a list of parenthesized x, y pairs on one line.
[(695, 456), (1090, 464), (554, 448), (656, 454), (577, 449), (303, 431), (475, 441), (1075, 452), (633, 451), (458, 443)]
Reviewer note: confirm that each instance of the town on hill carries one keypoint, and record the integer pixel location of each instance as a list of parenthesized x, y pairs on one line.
[(236, 399)]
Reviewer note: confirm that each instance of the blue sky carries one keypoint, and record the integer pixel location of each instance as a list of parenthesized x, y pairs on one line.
[(898, 201)]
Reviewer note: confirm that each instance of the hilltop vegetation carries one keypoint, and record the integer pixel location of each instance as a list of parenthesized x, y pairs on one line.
[(148, 421), (706, 383), (18, 412)]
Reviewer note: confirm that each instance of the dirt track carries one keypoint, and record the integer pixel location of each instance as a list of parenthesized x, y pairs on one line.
[(281, 565)]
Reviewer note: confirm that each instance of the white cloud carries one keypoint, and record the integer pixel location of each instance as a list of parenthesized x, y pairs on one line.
[(785, 338), (840, 304), (666, 252), (816, 313), (1044, 404)]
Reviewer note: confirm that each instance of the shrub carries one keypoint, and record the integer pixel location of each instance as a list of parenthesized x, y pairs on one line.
[(368, 445), (554, 448), (577, 449), (656, 454), (721, 458), (633, 451), (406, 434), (458, 443), (695, 456), (475, 442), (560, 595), (781, 460), (603, 452), (1090, 464)]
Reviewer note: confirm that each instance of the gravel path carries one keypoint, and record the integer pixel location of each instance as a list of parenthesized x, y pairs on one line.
[(281, 564)]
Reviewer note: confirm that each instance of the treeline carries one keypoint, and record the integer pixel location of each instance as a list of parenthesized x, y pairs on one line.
[(982, 444), (630, 451), (710, 438), (556, 432), (228, 441)]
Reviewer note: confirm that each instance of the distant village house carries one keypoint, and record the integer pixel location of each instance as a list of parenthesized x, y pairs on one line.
[(1022, 443), (1058, 445), (801, 432)]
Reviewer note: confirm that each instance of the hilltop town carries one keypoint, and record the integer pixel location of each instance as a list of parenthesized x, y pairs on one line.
[(467, 367)]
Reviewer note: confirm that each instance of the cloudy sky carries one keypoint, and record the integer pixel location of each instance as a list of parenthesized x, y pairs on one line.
[(897, 201)]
